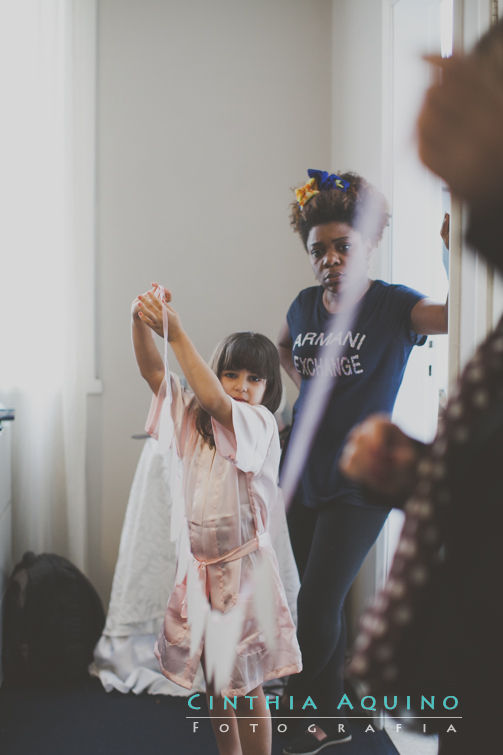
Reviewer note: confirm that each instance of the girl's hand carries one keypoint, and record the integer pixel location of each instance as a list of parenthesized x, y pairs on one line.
[(147, 308), (379, 455)]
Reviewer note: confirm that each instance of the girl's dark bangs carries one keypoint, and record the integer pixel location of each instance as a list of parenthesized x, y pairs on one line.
[(245, 353)]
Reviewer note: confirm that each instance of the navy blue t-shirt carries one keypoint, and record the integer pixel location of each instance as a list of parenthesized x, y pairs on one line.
[(369, 372)]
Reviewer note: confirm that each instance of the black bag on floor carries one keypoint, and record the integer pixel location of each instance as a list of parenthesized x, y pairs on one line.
[(52, 620)]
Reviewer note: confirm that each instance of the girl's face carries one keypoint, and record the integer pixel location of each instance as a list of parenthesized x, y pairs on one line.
[(243, 385), (329, 247)]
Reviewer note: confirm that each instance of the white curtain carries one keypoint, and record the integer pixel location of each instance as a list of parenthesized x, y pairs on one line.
[(46, 237)]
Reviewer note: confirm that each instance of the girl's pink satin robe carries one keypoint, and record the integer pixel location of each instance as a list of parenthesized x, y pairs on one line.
[(228, 492)]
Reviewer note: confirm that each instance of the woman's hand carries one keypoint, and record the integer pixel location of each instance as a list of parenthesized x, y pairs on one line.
[(147, 308), (379, 455)]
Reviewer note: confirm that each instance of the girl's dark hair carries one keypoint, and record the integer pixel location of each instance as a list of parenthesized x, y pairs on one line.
[(243, 351), (361, 206)]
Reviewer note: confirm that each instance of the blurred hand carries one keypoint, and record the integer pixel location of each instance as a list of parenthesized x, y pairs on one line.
[(460, 127), (381, 456)]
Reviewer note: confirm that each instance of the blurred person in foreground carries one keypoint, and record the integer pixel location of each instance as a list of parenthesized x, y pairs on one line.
[(438, 619)]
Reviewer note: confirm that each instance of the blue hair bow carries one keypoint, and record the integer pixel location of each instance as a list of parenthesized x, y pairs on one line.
[(327, 180)]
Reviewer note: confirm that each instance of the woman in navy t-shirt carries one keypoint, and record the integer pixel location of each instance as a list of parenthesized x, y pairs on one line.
[(331, 526)]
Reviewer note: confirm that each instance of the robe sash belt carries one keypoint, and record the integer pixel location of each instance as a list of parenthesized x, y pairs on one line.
[(259, 541)]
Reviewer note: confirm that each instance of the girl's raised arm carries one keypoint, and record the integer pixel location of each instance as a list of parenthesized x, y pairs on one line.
[(201, 378), (147, 356)]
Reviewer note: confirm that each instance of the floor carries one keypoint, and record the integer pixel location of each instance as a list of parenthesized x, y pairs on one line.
[(85, 720)]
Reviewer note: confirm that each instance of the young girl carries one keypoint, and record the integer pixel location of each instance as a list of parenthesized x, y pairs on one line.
[(227, 439)]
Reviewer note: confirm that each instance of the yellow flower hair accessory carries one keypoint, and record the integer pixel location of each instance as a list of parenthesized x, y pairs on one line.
[(306, 192), (319, 180)]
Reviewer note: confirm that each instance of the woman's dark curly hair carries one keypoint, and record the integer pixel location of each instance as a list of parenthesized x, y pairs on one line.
[(243, 351), (361, 206)]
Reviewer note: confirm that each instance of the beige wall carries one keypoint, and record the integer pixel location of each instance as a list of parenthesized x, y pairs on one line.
[(358, 87), (208, 113)]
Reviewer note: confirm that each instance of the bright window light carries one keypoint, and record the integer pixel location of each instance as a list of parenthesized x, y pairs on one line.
[(32, 192)]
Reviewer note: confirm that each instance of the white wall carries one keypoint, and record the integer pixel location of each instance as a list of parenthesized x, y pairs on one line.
[(208, 114), (357, 86)]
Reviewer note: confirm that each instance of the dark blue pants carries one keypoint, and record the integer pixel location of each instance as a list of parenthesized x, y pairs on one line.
[(330, 545)]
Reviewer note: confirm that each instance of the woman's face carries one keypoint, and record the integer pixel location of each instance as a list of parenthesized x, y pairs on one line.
[(330, 246)]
